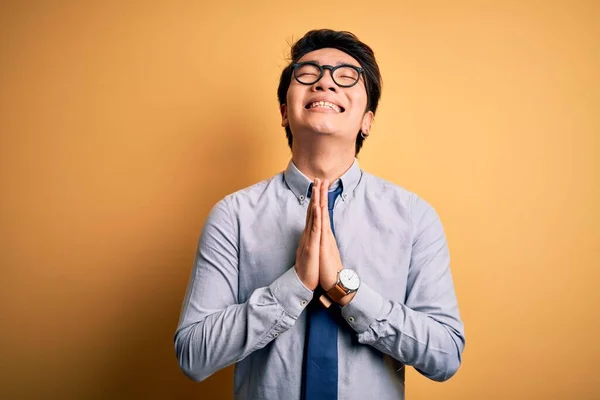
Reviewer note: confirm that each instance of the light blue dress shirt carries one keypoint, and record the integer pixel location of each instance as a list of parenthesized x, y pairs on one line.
[(245, 303)]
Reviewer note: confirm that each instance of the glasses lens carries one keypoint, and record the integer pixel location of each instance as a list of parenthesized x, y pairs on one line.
[(346, 76), (307, 73)]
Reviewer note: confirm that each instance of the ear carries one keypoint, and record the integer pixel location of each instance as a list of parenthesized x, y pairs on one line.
[(284, 118), (366, 122)]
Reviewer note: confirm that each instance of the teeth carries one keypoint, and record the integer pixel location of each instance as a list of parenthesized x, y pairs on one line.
[(325, 104)]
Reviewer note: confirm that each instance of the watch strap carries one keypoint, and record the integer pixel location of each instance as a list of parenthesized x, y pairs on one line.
[(336, 293)]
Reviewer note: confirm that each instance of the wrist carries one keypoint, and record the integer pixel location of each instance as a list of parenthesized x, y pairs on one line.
[(306, 279), (328, 284), (328, 281), (346, 299)]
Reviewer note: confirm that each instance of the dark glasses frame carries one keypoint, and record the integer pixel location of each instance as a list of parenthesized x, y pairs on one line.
[(322, 69)]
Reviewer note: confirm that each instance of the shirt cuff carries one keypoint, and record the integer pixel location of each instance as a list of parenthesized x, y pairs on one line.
[(290, 293), (364, 308)]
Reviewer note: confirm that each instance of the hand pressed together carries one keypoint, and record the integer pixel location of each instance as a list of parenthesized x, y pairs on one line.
[(318, 258)]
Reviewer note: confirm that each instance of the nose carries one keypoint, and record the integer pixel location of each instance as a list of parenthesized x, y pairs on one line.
[(326, 82)]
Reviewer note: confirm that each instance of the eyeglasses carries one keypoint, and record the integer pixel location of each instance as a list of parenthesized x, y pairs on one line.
[(309, 72)]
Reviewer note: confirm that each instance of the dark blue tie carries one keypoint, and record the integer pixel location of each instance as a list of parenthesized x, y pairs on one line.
[(321, 357)]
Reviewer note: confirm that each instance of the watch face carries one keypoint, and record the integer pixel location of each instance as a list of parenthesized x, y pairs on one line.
[(349, 279)]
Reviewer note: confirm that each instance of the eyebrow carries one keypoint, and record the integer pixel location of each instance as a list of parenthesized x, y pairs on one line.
[(338, 63)]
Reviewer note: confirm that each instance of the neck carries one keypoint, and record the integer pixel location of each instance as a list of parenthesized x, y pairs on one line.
[(322, 160)]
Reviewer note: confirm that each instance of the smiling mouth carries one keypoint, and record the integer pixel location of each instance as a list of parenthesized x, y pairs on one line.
[(325, 104)]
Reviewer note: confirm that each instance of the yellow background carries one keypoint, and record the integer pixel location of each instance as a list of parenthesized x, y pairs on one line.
[(122, 123)]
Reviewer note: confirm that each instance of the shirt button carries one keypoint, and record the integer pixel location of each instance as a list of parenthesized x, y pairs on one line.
[(303, 303), (276, 334), (350, 319), (301, 198), (344, 196)]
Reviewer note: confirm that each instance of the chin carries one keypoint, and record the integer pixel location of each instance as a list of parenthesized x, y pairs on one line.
[(323, 129), (325, 132)]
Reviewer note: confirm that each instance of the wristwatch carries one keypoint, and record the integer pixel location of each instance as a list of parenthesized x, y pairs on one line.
[(347, 282)]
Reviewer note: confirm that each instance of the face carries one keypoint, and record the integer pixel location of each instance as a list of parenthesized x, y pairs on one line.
[(324, 107)]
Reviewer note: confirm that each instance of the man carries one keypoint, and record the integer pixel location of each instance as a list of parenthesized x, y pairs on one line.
[(273, 257)]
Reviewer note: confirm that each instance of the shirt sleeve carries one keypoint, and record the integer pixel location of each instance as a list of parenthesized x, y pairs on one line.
[(426, 331), (214, 330)]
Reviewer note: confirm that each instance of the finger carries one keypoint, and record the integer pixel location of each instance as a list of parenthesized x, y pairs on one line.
[(324, 197), (312, 197), (306, 232), (316, 222), (325, 230), (309, 211), (325, 224)]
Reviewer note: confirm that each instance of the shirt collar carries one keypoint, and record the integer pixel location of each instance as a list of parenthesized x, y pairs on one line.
[(300, 183)]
